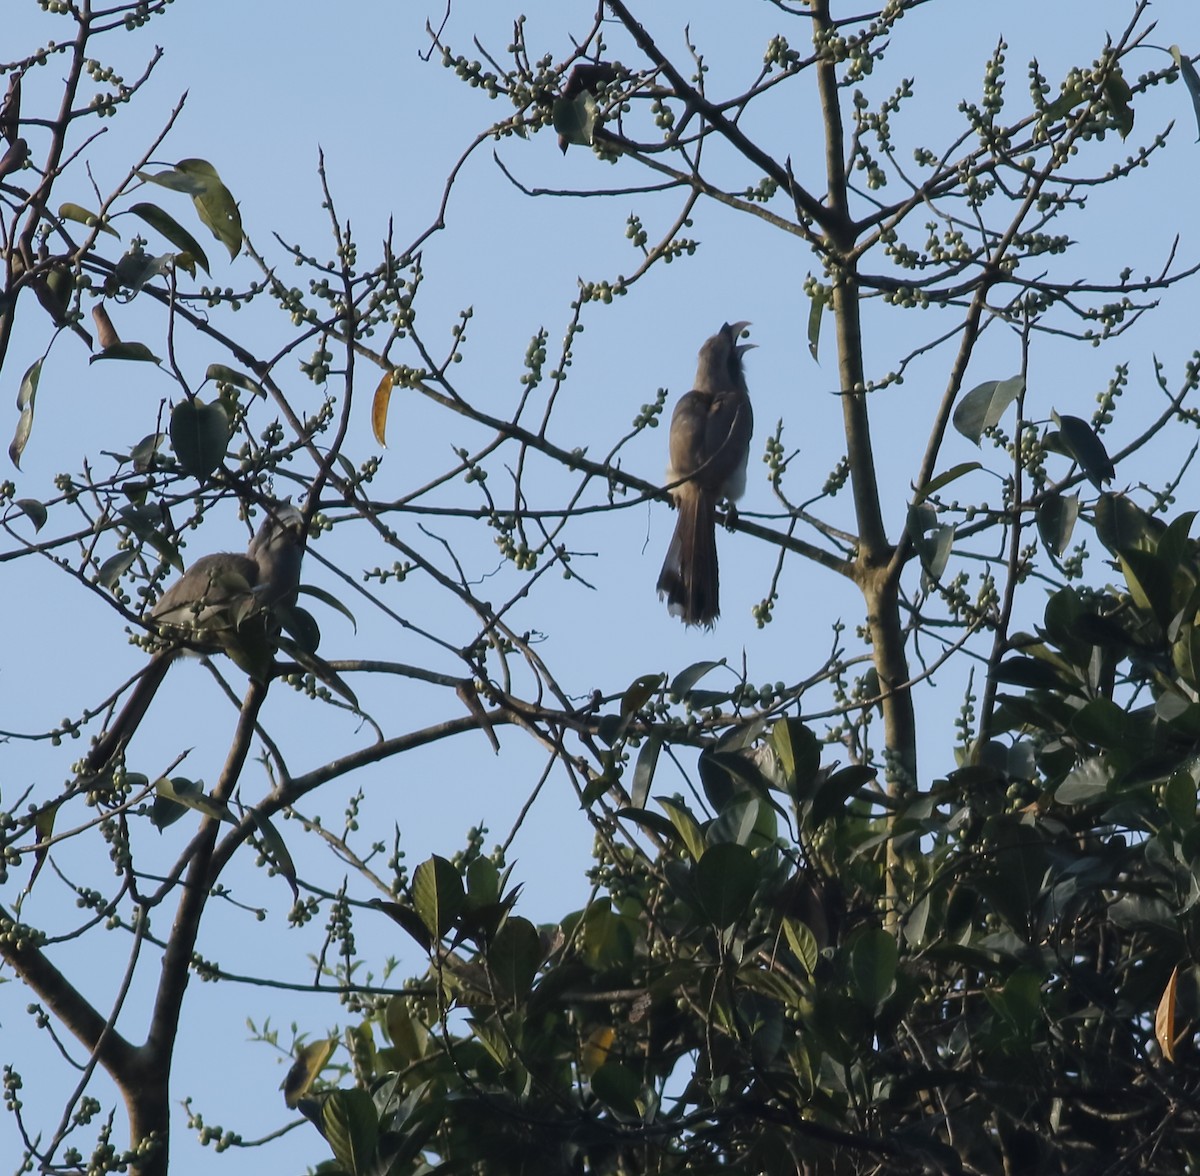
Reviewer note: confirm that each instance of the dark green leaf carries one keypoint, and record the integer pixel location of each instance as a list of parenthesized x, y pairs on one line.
[(1122, 524), (618, 1087), (514, 957), (1179, 799), (138, 352), (190, 794), (277, 851), (483, 882), (640, 691), (1056, 515), (816, 311), (1102, 723), (686, 679), (174, 232), (984, 405), (873, 960), (799, 753), (832, 792), (113, 568), (300, 625), (26, 395), (726, 878), (406, 918), (1030, 672), (33, 510), (1083, 444), (643, 772), (652, 822), (1191, 79), (350, 1123), (199, 436), (438, 895), (1084, 784)]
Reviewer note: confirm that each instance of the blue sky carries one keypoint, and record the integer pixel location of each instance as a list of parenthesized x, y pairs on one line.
[(269, 85)]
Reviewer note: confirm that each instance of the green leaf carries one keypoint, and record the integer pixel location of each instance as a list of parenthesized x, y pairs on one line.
[(300, 625), (406, 918), (934, 549), (726, 877), (1102, 723), (138, 352), (1118, 96), (643, 771), (199, 436), (176, 181), (329, 599), (1122, 524), (984, 405), (799, 753), (873, 961), (33, 510), (350, 1123), (686, 679), (1056, 517), (944, 479), (1179, 799), (619, 1088), (831, 793), (651, 822), (483, 882), (215, 204), (816, 310), (277, 851), (438, 895), (136, 268), (575, 119), (514, 957), (640, 691), (1191, 79), (1030, 672), (26, 395), (309, 1062), (685, 825), (1084, 784), (802, 942), (190, 794), (1149, 583), (82, 216), (1083, 443), (228, 375), (174, 232), (113, 568)]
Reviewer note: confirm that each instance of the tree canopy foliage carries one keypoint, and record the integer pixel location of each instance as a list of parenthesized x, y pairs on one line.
[(802, 949)]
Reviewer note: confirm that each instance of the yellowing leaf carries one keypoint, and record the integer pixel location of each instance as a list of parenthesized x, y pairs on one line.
[(595, 1049), (1164, 1018), (310, 1061), (379, 408)]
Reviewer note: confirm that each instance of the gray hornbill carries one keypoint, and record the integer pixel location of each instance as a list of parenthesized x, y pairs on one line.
[(223, 603), (709, 447)]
